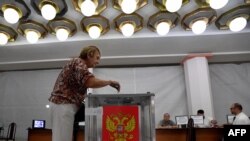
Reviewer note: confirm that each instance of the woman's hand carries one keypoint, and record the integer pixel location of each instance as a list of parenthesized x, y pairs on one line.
[(115, 85)]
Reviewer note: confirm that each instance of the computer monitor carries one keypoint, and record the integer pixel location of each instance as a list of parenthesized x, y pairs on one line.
[(198, 119), (181, 120), (230, 119), (38, 124)]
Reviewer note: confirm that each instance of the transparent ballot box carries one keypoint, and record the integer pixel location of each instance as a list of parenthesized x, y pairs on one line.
[(120, 117)]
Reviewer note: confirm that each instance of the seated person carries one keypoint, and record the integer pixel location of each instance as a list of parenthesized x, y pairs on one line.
[(166, 122), (208, 122), (240, 117)]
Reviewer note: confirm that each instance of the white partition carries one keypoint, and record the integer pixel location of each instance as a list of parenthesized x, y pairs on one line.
[(167, 83), (24, 94), (23, 97), (230, 83)]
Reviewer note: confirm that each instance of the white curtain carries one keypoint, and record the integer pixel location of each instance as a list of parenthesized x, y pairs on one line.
[(230, 83), (23, 97), (167, 83), (24, 94)]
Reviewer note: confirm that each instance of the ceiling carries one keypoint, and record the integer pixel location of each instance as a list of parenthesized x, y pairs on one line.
[(143, 48)]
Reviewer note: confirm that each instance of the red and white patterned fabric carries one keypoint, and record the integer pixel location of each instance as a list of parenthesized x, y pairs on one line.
[(70, 85)]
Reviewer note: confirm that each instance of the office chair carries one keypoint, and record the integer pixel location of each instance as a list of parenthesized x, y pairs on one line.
[(11, 134), (191, 135)]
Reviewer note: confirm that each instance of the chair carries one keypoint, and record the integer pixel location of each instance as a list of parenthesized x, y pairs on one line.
[(191, 135), (1, 131), (11, 134)]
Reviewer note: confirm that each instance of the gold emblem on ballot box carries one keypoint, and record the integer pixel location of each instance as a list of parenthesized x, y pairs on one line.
[(120, 127)]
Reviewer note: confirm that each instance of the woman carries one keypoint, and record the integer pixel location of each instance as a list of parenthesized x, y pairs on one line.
[(70, 90)]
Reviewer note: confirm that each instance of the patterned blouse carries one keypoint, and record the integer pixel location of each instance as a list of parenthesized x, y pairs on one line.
[(70, 85)]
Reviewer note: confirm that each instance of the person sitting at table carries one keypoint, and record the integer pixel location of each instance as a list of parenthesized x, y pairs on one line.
[(208, 122), (166, 122), (240, 117)]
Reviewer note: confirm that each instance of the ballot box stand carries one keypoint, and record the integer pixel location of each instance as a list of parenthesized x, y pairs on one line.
[(95, 103)]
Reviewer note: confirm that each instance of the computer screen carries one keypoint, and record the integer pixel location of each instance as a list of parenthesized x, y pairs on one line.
[(230, 119), (38, 124), (198, 119), (181, 120)]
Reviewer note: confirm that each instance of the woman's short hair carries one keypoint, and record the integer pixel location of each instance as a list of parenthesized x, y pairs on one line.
[(88, 51)]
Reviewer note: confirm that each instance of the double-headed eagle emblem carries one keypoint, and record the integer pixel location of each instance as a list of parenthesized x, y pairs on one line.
[(120, 127)]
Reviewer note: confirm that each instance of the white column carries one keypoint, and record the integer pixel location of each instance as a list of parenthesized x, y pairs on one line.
[(198, 86)]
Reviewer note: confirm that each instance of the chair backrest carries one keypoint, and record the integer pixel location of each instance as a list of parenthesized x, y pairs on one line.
[(11, 131)]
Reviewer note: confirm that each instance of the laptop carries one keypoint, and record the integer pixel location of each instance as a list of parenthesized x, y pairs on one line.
[(230, 119), (198, 119), (181, 120), (38, 124)]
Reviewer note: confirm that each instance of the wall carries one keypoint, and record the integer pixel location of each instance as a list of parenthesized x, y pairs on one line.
[(24, 94), (167, 83), (230, 83)]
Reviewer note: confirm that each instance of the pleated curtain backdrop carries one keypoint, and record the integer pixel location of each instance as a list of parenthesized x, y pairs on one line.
[(24, 94)]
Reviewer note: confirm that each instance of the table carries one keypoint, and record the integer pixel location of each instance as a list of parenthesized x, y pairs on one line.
[(177, 134), (46, 135), (170, 134)]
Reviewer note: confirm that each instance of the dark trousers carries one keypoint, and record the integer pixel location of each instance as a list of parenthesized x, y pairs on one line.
[(79, 117)]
